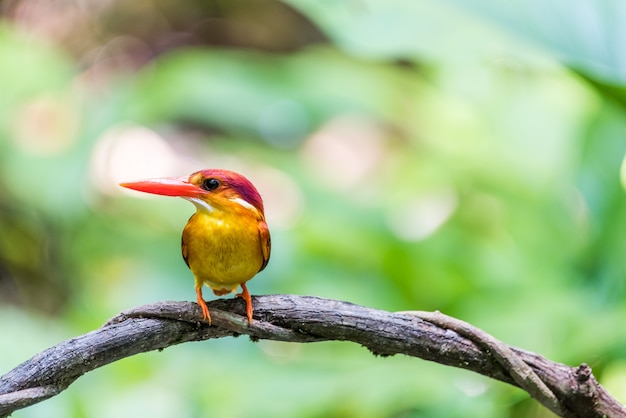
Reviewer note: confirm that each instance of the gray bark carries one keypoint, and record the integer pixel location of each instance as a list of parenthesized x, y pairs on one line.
[(567, 391)]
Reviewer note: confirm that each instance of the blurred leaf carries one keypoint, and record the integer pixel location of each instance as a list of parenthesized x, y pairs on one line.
[(585, 35), (29, 67), (280, 98)]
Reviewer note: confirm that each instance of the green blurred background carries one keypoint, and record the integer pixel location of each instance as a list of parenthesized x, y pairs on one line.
[(460, 155)]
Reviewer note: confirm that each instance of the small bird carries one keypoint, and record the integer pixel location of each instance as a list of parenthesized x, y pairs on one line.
[(227, 241)]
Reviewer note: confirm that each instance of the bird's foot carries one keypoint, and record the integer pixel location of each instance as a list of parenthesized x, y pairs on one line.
[(205, 309), (245, 295)]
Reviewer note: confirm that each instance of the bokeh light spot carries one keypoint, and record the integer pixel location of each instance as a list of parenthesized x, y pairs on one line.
[(344, 151), (45, 126), (130, 152), (421, 217)]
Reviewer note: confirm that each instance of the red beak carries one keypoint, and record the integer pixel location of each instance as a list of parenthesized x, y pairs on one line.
[(167, 186)]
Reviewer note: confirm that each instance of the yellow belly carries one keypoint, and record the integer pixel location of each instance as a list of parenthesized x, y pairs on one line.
[(221, 252)]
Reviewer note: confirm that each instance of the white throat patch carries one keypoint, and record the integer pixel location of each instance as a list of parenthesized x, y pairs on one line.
[(200, 204)]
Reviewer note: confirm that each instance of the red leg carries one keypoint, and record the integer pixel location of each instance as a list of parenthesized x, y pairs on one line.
[(245, 295), (205, 309)]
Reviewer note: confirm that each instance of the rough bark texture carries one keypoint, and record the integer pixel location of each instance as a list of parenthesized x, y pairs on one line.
[(567, 391)]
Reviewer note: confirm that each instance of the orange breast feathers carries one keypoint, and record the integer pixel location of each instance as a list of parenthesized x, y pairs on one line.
[(226, 247)]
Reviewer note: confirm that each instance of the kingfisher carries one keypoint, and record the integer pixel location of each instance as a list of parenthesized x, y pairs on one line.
[(226, 242)]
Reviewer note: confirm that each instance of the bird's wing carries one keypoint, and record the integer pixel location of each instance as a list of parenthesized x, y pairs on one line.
[(266, 243), (185, 251), (183, 246)]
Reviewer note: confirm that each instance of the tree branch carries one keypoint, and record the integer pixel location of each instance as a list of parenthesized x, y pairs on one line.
[(567, 391)]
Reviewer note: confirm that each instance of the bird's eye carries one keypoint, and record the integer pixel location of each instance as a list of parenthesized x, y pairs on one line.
[(210, 184)]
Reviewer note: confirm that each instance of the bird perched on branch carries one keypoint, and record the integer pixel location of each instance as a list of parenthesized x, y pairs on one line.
[(227, 241)]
